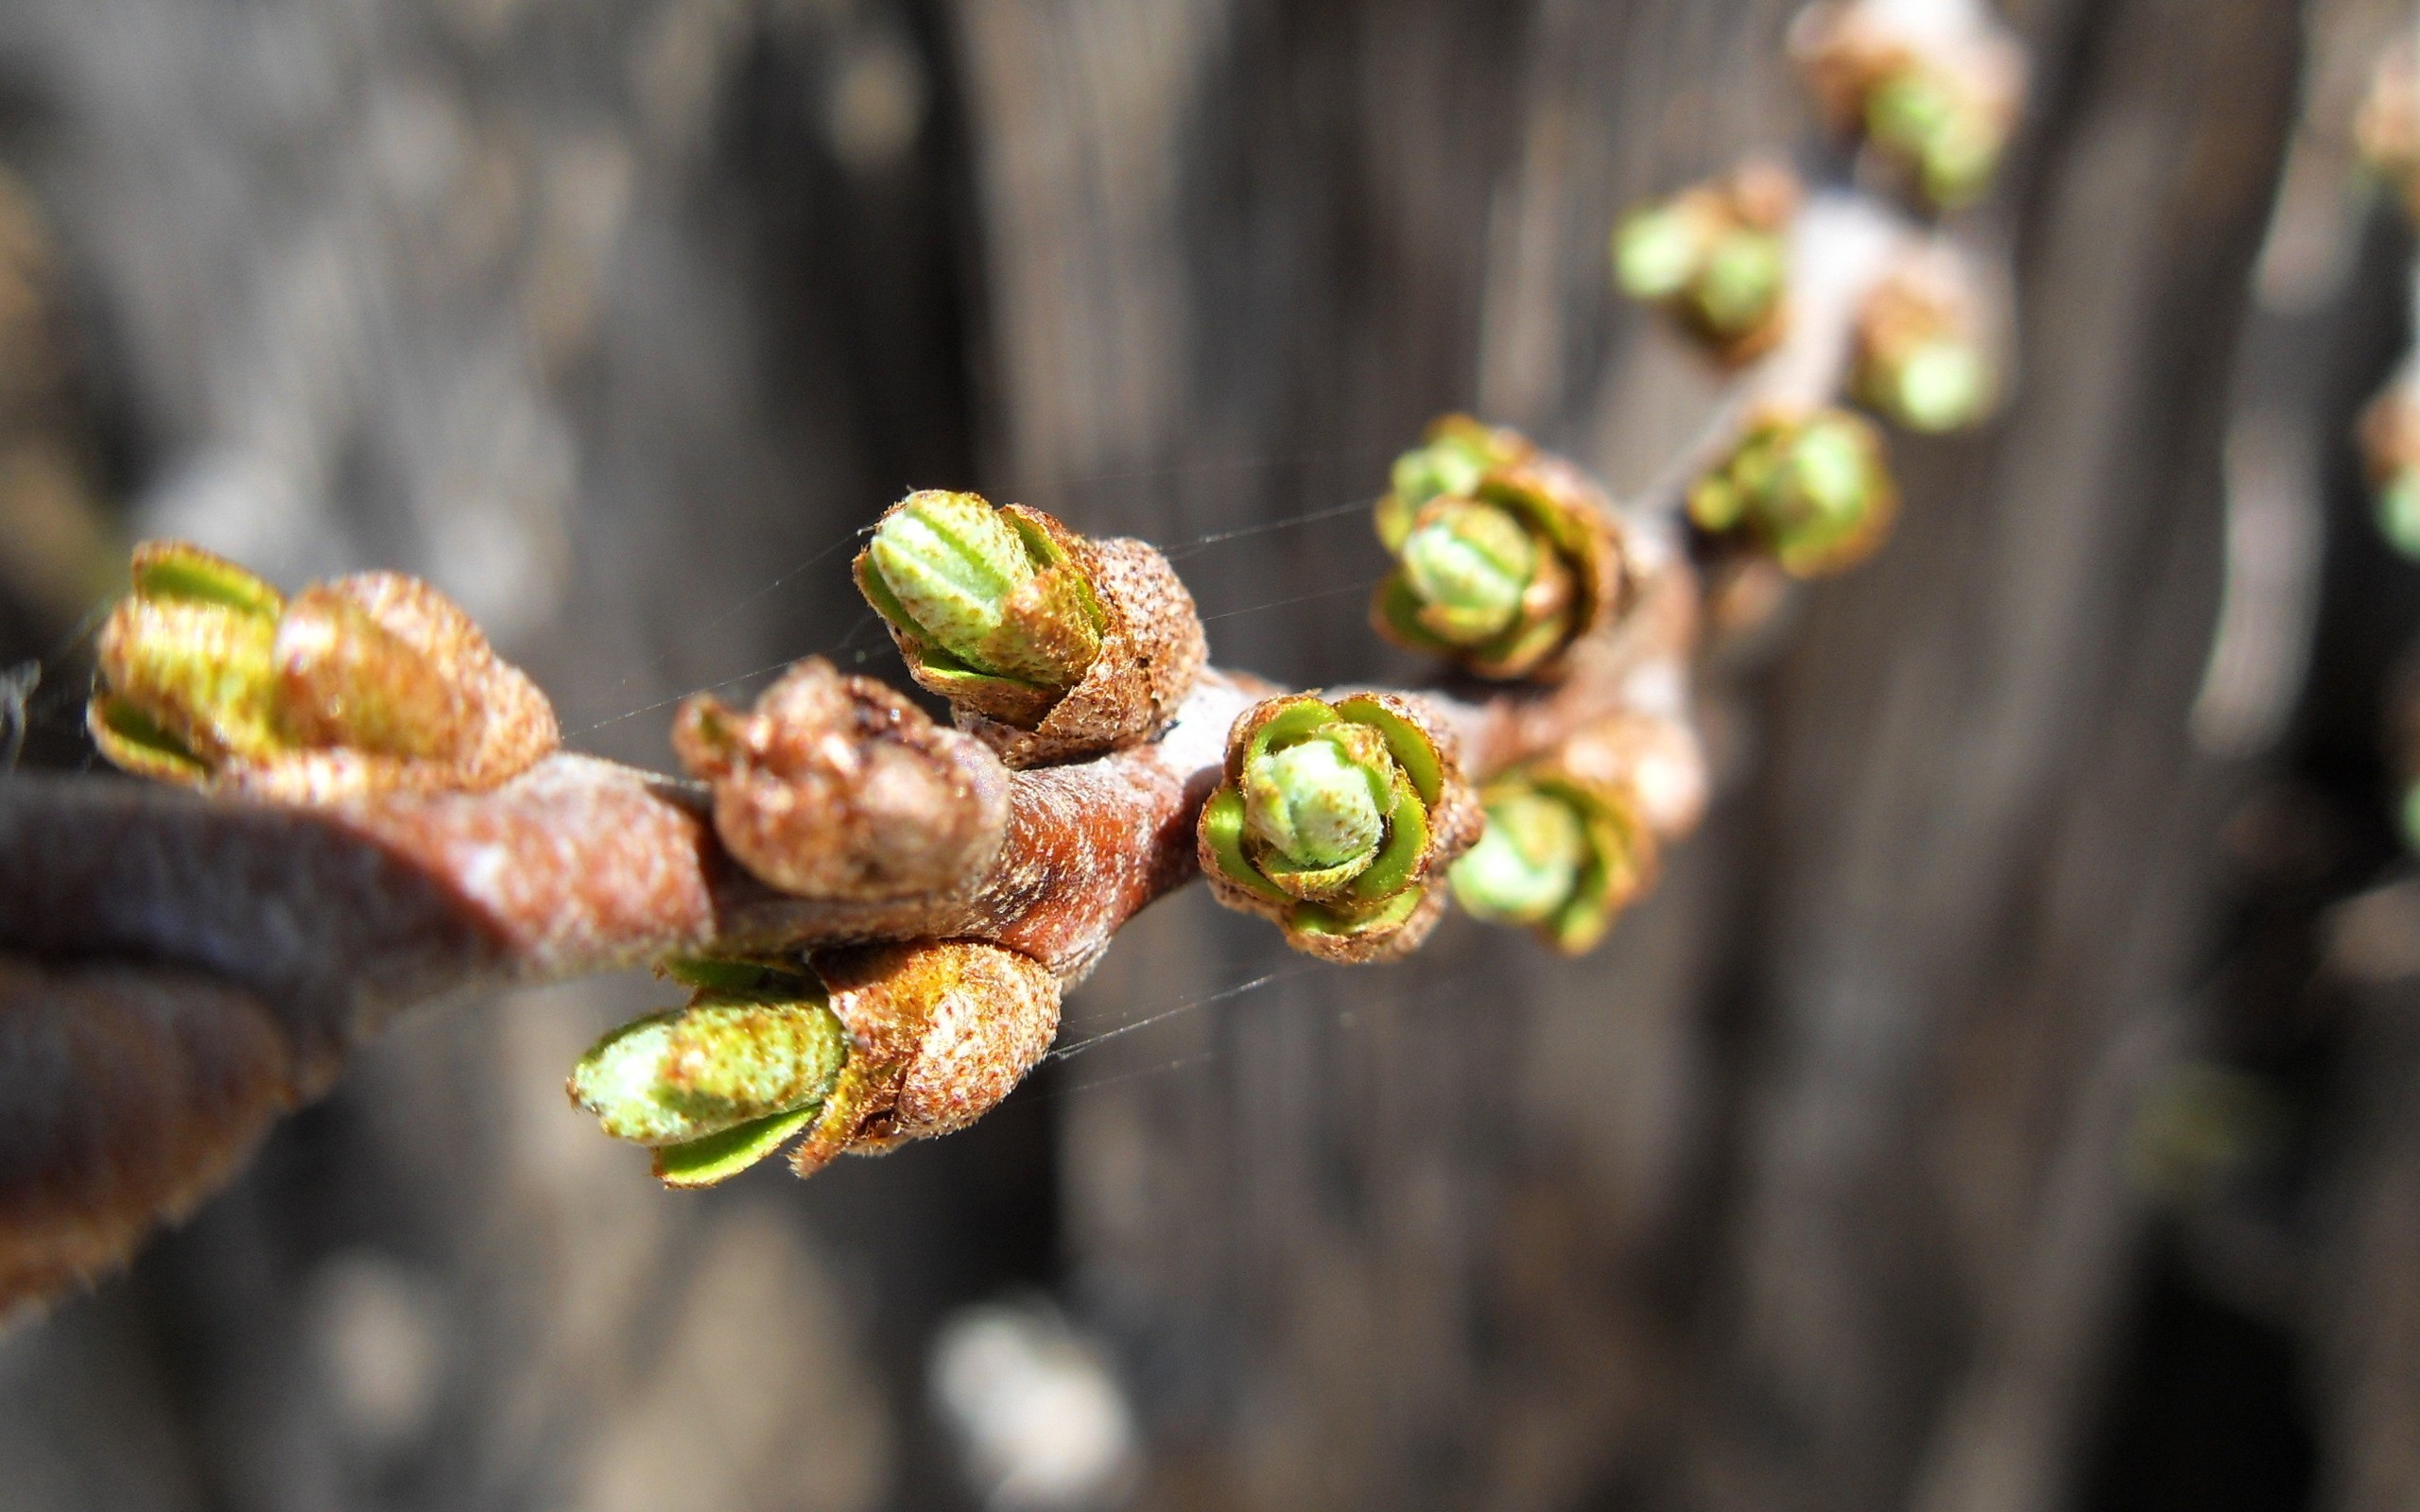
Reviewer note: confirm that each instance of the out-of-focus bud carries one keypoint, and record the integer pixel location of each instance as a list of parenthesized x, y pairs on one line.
[(1335, 819), (1505, 575), (1469, 564), (2387, 131), (1938, 101), (369, 683), (838, 788), (860, 1050), (1717, 258), (1049, 647), (1927, 349), (2390, 435), (1560, 855), (1812, 490)]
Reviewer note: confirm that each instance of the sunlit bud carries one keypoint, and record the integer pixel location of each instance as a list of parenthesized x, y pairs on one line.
[(1469, 565), (2389, 438), (1527, 864), (976, 587), (1815, 491), (1504, 574), (1939, 103), (1322, 803), (2398, 512), (1335, 818), (1447, 464), (1561, 855), (1742, 282), (368, 682), (729, 1058), (1716, 257), (1657, 252)]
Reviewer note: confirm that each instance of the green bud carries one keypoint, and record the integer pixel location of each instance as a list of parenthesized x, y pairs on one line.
[(1321, 803), (2399, 511), (1939, 385), (1928, 119), (1335, 821), (1656, 252), (189, 667), (980, 589), (1469, 564), (1448, 467), (1527, 865), (1814, 491), (729, 1058), (1742, 280)]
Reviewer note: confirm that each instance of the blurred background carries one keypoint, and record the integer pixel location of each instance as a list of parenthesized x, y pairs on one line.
[(2010, 1101)]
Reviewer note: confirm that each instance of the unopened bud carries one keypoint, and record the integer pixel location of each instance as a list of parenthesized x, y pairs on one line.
[(369, 682), (1321, 803), (1469, 564), (726, 1059), (978, 587), (1657, 252), (1561, 855), (1505, 575), (1526, 863), (1716, 258), (2398, 512), (1333, 821), (1939, 102), (1742, 283), (1815, 491), (1448, 463)]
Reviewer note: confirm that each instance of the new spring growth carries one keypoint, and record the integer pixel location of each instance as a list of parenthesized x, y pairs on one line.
[(1941, 126), (1560, 856), (755, 1039), (2390, 435), (1332, 821), (1504, 557), (1005, 622), (1049, 645), (1939, 103), (1922, 355), (369, 682), (1716, 257), (1814, 491)]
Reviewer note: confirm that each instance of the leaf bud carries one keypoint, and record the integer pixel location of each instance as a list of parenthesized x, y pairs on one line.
[(1927, 344), (858, 1050), (2390, 439), (1560, 855), (1812, 490), (1049, 647), (1716, 258), (1506, 575), (976, 588), (372, 683), (1939, 102), (1335, 819), (838, 788), (731, 1056)]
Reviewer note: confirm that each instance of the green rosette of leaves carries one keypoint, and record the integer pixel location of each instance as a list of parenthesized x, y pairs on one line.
[(1504, 557), (1335, 821), (1814, 491), (1560, 855)]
